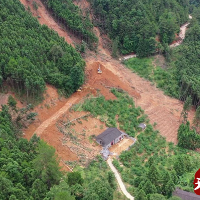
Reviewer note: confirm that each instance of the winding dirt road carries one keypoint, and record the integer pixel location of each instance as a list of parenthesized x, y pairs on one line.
[(119, 180), (183, 29), (181, 35)]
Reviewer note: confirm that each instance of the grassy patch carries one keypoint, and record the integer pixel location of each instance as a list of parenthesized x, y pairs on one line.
[(121, 111), (163, 78)]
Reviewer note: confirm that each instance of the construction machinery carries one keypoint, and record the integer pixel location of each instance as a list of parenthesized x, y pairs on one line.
[(99, 70), (79, 89)]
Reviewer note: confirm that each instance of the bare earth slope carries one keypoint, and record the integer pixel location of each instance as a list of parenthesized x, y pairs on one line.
[(55, 116), (45, 18), (163, 110)]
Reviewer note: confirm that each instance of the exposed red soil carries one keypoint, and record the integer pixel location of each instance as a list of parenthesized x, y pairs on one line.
[(54, 138), (177, 38), (83, 130), (45, 18), (4, 99), (157, 38), (83, 5), (163, 110)]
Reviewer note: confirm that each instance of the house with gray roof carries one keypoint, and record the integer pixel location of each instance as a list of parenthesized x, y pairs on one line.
[(186, 195), (110, 137)]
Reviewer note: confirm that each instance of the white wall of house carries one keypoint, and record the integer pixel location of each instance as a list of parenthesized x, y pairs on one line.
[(121, 137)]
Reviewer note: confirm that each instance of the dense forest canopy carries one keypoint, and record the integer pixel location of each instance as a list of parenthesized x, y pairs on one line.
[(72, 17), (32, 55), (135, 24), (186, 60)]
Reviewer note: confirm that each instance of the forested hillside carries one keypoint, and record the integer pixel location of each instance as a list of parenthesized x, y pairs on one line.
[(181, 77), (185, 61), (72, 17), (32, 55), (20, 175), (29, 170), (135, 24)]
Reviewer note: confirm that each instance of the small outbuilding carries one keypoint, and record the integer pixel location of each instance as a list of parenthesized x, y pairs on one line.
[(109, 137), (142, 126)]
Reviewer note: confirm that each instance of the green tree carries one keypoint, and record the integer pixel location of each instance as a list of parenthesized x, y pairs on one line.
[(157, 197), (99, 189), (46, 164), (187, 138), (60, 192), (6, 187), (186, 107), (115, 47), (74, 178), (141, 195), (168, 26), (153, 175), (12, 102), (38, 190), (111, 180), (169, 188), (149, 188), (196, 120)]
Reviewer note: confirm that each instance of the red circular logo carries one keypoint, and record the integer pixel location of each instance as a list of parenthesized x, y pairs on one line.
[(197, 182)]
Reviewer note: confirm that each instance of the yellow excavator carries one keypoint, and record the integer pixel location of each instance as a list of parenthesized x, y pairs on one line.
[(99, 70), (79, 89)]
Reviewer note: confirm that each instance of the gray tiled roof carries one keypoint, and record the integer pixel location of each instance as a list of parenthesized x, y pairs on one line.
[(186, 195), (142, 125), (108, 136)]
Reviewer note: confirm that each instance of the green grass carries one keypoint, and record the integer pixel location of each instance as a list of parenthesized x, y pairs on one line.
[(163, 78), (142, 67)]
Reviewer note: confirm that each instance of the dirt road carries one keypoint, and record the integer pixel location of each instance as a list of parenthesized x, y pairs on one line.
[(54, 117), (182, 34), (119, 180)]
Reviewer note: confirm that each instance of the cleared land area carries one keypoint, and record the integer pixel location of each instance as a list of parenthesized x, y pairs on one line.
[(163, 110)]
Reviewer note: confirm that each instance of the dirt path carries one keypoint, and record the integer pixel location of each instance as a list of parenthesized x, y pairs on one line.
[(54, 117), (119, 180), (183, 29)]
